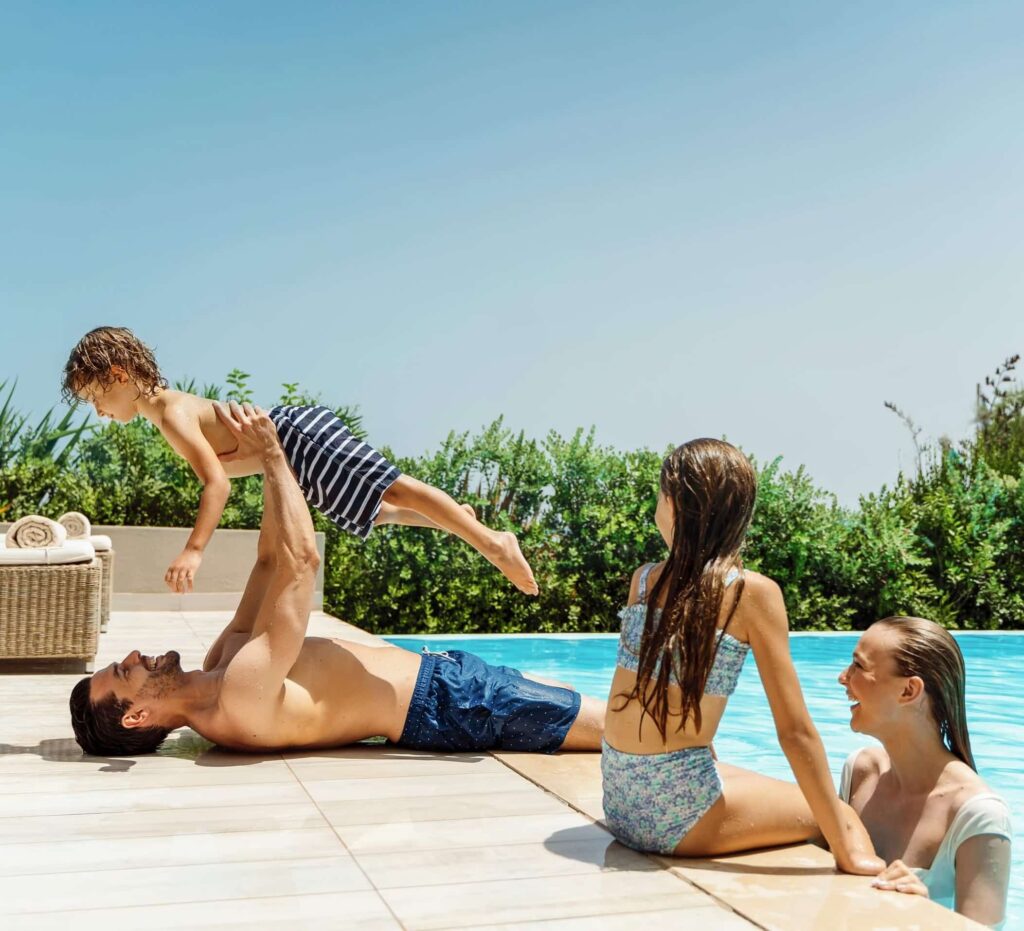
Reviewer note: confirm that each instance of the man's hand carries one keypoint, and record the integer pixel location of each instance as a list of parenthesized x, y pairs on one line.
[(898, 877), (182, 571), (251, 427)]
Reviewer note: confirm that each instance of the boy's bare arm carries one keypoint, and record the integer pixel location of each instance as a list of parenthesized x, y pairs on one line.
[(182, 432)]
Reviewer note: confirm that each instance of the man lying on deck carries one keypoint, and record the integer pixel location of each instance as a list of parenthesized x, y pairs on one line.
[(266, 686)]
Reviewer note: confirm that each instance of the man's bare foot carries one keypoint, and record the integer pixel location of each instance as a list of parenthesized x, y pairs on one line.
[(507, 556)]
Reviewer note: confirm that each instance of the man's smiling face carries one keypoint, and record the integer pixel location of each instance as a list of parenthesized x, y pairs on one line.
[(137, 677)]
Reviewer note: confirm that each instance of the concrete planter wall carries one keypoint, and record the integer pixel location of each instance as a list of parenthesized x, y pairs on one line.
[(142, 555)]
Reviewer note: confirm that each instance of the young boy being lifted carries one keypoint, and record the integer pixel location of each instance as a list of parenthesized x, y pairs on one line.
[(344, 478)]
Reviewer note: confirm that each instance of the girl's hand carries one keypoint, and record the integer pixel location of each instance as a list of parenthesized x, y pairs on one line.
[(898, 877)]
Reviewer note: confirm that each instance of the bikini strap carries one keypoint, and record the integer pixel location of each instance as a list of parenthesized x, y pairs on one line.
[(641, 593)]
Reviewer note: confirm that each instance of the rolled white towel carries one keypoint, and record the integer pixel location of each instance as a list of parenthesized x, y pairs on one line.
[(35, 532), (76, 524)]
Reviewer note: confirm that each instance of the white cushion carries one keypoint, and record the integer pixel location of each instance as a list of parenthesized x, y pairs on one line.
[(101, 542), (71, 552)]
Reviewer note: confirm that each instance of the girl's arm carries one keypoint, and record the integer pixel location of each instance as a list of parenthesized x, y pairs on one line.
[(182, 431), (798, 737)]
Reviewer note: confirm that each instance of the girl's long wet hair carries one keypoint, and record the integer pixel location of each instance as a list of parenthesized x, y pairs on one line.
[(929, 652), (712, 487)]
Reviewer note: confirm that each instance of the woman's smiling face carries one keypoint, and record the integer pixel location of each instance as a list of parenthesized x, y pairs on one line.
[(872, 683)]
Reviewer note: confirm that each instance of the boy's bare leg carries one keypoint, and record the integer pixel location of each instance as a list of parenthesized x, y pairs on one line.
[(389, 514), (502, 549)]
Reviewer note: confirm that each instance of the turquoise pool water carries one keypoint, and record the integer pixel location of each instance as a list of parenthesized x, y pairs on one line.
[(995, 705)]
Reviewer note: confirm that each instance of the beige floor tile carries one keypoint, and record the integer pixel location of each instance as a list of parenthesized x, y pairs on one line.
[(166, 885), (68, 856), (422, 785), (443, 835), (520, 861), (705, 917), (491, 903), (138, 800), (161, 823), (183, 751), (530, 801), (797, 889), (380, 762), (152, 777), (364, 911)]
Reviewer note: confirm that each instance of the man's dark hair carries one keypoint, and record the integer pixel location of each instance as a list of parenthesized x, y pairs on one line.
[(98, 727)]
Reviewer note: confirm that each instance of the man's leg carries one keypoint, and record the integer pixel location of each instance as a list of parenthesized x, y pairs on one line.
[(501, 549), (588, 728)]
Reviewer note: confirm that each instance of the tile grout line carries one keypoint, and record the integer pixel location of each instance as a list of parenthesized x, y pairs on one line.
[(652, 859), (345, 846)]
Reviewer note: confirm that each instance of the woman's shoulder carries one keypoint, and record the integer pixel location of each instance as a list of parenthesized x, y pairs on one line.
[(867, 761), (969, 793)]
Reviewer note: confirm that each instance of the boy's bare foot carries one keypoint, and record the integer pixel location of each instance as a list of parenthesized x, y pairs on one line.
[(507, 556)]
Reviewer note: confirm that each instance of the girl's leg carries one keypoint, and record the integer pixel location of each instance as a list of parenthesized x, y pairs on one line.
[(502, 549), (753, 811)]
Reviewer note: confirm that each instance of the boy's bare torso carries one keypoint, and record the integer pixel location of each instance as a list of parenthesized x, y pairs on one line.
[(336, 693), (200, 411)]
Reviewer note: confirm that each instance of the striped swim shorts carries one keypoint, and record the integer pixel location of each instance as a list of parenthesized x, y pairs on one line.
[(340, 475)]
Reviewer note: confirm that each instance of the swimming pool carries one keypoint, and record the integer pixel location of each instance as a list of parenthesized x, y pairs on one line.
[(746, 737)]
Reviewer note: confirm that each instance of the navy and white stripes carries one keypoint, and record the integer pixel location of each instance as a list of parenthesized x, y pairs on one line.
[(341, 476)]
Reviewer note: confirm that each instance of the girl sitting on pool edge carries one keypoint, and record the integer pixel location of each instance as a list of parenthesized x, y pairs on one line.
[(929, 813), (687, 629)]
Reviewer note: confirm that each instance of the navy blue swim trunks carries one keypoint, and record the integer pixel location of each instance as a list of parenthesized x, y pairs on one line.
[(461, 703)]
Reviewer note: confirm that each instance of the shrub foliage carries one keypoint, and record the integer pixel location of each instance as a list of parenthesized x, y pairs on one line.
[(946, 542)]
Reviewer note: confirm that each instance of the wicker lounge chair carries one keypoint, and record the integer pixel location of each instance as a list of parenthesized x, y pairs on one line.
[(50, 602)]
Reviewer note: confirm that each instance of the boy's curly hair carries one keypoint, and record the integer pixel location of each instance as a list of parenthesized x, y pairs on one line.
[(91, 360)]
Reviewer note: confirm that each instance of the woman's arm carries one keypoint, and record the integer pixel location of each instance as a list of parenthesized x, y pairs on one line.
[(798, 737), (983, 878)]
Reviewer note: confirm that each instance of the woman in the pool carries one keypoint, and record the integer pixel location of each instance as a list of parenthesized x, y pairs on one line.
[(690, 621), (927, 810)]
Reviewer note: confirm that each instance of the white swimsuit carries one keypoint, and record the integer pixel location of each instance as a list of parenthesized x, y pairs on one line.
[(984, 813)]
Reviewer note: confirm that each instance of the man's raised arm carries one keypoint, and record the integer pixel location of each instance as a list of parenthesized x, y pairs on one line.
[(283, 612), (239, 628)]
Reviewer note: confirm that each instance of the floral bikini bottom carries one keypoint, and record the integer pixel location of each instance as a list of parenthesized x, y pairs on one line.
[(653, 800)]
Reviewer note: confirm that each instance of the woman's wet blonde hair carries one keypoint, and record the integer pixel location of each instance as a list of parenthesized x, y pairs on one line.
[(928, 651)]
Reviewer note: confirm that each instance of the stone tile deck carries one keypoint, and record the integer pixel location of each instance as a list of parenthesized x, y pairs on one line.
[(362, 837)]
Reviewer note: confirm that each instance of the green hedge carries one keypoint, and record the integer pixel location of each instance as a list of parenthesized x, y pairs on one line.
[(947, 543)]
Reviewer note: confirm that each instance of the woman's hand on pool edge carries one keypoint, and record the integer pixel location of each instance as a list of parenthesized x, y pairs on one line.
[(898, 877)]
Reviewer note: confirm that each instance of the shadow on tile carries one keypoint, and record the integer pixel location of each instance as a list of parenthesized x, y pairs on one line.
[(592, 845), (65, 750)]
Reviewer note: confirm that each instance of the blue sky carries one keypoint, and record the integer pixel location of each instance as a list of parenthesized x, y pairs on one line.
[(662, 219)]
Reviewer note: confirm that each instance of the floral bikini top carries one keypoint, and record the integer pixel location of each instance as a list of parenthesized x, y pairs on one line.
[(729, 656)]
